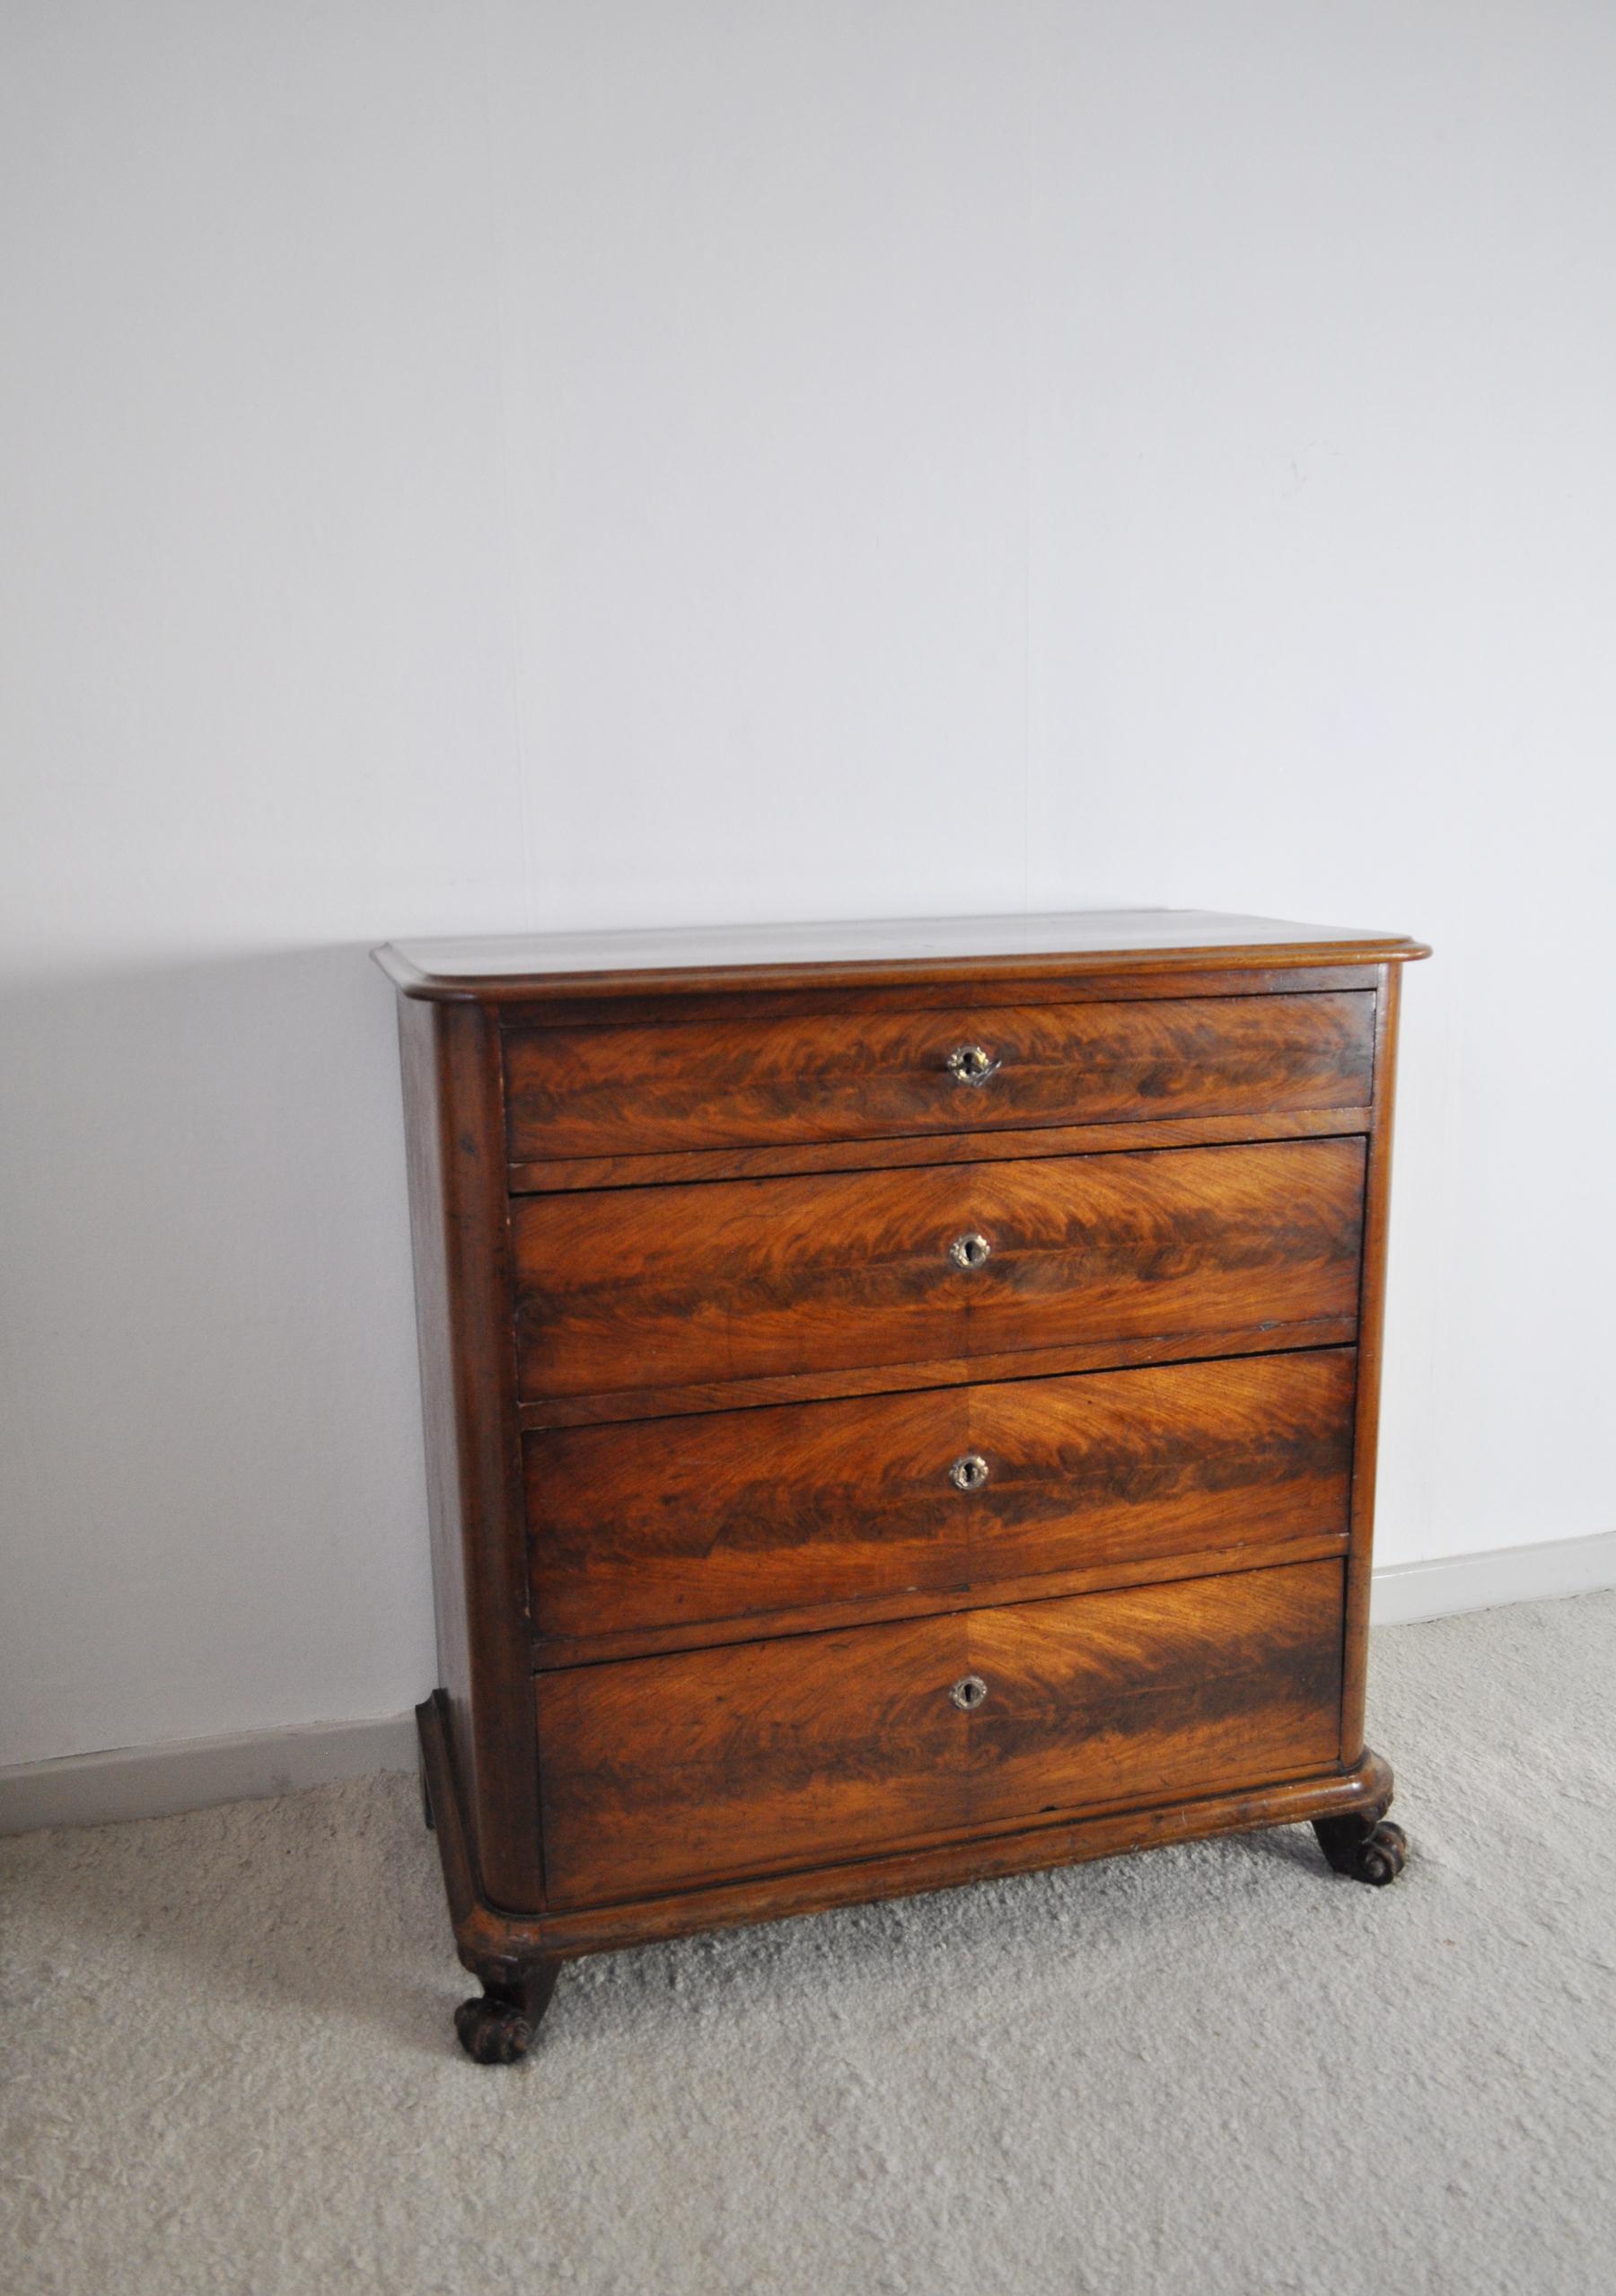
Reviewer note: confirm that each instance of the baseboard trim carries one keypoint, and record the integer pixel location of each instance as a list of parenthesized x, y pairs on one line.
[(197, 1773), (1403, 1592)]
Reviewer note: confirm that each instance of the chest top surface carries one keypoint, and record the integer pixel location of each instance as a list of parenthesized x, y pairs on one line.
[(863, 954)]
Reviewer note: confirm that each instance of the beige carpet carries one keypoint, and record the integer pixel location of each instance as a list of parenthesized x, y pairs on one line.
[(229, 2063)]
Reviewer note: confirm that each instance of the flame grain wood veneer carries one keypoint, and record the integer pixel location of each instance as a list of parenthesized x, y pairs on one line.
[(901, 1407)]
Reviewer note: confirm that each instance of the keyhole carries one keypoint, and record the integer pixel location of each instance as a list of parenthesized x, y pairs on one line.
[(971, 1064)]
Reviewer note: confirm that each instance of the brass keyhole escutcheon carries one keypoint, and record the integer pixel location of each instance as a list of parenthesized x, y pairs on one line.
[(971, 1064), (968, 1473), (969, 1692), (969, 1250)]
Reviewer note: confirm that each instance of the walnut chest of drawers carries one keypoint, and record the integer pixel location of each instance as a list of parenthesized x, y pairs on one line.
[(901, 1407)]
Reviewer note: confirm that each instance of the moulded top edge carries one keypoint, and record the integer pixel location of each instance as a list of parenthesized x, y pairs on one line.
[(761, 956)]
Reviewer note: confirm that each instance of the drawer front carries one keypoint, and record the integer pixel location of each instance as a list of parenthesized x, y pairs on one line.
[(735, 1279), (658, 1774), (671, 1523), (659, 1086)]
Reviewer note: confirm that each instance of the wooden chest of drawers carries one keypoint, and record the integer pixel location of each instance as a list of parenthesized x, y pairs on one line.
[(901, 1407)]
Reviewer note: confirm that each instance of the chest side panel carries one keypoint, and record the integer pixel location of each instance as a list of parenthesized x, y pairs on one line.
[(458, 1208)]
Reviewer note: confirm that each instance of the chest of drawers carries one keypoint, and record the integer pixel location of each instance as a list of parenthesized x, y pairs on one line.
[(901, 1407)]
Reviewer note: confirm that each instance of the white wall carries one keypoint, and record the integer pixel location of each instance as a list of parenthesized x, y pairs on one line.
[(482, 467)]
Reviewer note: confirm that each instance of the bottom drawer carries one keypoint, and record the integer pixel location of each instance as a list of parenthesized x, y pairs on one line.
[(661, 1772)]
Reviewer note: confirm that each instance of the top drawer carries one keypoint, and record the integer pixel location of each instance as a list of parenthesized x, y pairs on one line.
[(650, 1087)]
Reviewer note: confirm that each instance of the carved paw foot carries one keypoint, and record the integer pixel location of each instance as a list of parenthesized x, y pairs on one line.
[(496, 2027), (493, 2032), (1369, 1849)]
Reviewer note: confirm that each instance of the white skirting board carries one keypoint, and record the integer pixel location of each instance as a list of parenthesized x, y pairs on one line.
[(195, 1773), (1402, 1592)]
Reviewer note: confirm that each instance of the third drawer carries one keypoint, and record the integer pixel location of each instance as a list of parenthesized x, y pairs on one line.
[(666, 1529)]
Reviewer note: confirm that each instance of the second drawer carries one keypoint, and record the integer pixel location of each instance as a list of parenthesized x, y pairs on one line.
[(682, 1523), (721, 1282)]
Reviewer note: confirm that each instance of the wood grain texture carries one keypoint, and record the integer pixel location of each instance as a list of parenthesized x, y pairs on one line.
[(1372, 1311), (721, 996), (489, 1935), (941, 1371), (736, 1179), (454, 1129), (923, 1602), (543, 1176), (748, 1279), (693, 1085), (664, 1772), (686, 1522)]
